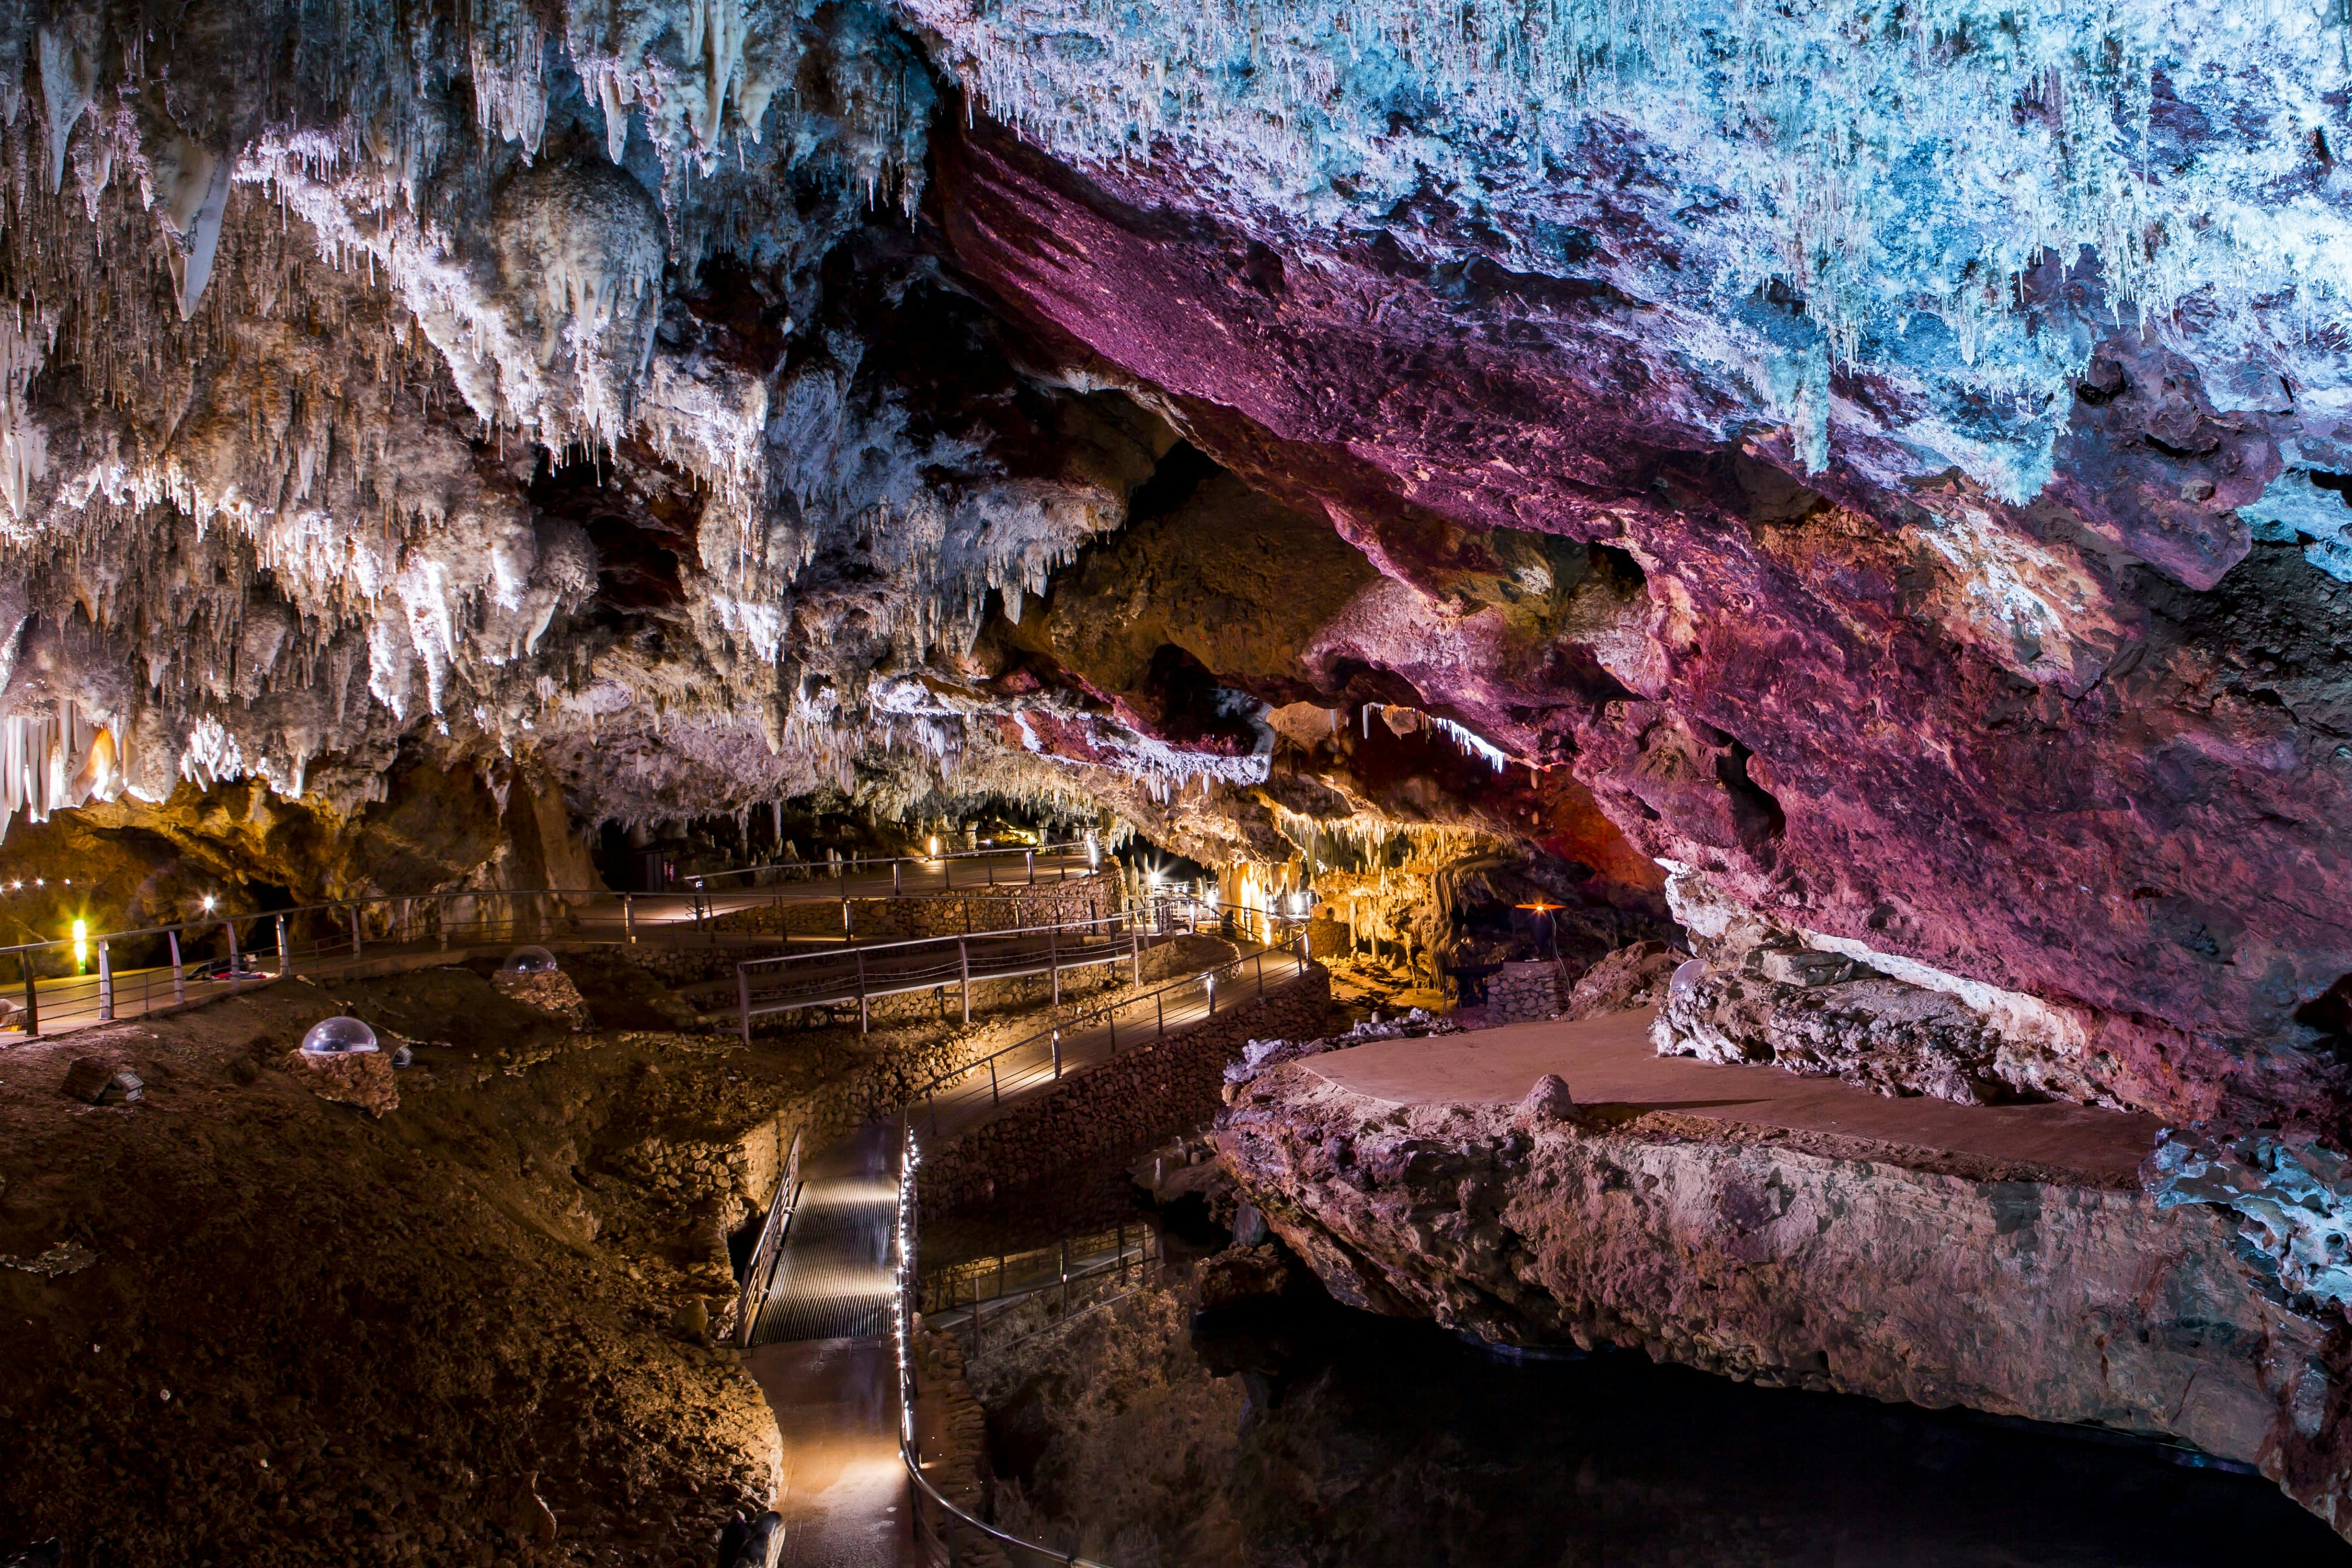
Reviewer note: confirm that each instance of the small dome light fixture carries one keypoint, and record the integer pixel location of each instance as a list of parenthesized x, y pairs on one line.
[(529, 960), (208, 903), (338, 1036)]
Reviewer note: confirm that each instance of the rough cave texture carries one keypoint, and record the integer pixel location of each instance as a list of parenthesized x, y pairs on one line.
[(1884, 465), (1832, 483), (2028, 1291)]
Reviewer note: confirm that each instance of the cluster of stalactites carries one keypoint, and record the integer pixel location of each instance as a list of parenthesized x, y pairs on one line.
[(1402, 720), (1380, 844), (1888, 163), (50, 761)]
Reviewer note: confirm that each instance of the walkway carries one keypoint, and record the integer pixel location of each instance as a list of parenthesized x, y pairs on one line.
[(824, 1353), (483, 922), (852, 975), (827, 1361), (1608, 1061), (1032, 1066)]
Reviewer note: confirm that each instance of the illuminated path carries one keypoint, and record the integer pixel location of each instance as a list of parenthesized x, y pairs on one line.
[(827, 1360)]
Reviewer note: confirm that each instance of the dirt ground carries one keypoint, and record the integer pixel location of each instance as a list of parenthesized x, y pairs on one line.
[(291, 1333)]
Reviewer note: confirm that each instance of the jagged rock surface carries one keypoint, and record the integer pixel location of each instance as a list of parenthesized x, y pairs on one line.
[(1888, 470), (2025, 1292)]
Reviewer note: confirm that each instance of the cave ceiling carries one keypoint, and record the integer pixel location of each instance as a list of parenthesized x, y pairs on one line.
[(1879, 468)]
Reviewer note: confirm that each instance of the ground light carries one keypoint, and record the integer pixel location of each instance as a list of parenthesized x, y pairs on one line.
[(1543, 933), (81, 942), (338, 1037)]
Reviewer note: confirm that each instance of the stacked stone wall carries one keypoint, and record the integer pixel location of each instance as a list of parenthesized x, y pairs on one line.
[(1523, 991)]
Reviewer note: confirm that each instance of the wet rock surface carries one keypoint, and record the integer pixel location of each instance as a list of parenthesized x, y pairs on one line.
[(1313, 1436), (1762, 1256)]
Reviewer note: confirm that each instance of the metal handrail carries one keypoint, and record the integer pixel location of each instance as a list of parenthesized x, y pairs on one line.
[(772, 1241), (874, 947), (1139, 1263), (862, 984), (1109, 1010), (915, 1469), (904, 1308), (55, 977), (838, 868)]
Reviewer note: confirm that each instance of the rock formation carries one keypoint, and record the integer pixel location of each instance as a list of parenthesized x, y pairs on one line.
[(1854, 494)]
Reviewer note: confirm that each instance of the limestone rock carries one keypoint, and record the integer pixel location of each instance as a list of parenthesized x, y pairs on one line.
[(1633, 976), (1804, 967), (552, 993), (1240, 1274), (97, 1081), (1549, 1100), (2039, 1293), (363, 1079), (1877, 1033)]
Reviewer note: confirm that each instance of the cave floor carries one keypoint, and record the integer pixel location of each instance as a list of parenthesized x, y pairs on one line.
[(1609, 1066)]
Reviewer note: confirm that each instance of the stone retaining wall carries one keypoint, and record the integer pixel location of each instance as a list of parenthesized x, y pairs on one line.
[(1123, 1103), (1523, 991)]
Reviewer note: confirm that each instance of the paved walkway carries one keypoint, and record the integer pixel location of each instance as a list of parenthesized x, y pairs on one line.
[(827, 1361), (503, 920), (1608, 1061), (975, 1097), (824, 1352)]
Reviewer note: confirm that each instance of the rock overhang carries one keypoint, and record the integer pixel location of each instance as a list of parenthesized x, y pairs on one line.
[(1882, 461)]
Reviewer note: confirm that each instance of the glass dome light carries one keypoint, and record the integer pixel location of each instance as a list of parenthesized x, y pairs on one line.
[(338, 1036), (530, 961)]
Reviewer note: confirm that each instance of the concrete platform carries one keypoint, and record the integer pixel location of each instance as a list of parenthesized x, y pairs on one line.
[(1606, 1061)]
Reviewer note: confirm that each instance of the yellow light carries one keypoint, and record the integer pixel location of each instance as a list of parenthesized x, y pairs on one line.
[(81, 942), (935, 844)]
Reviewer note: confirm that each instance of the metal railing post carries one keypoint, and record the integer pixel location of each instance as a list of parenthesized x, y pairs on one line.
[(441, 922), (1053, 963), (179, 976), (963, 963), (1135, 941), (1057, 1053), (285, 964), (629, 918), (1029, 859), (849, 926), (1159, 1001), (895, 868), (861, 993), (1211, 978), (105, 982), (1261, 977), (234, 967), (355, 931), (32, 996), (990, 862), (996, 1095), (743, 1000)]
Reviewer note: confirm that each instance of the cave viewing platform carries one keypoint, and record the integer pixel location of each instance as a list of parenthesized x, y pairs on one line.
[(1615, 1073)]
